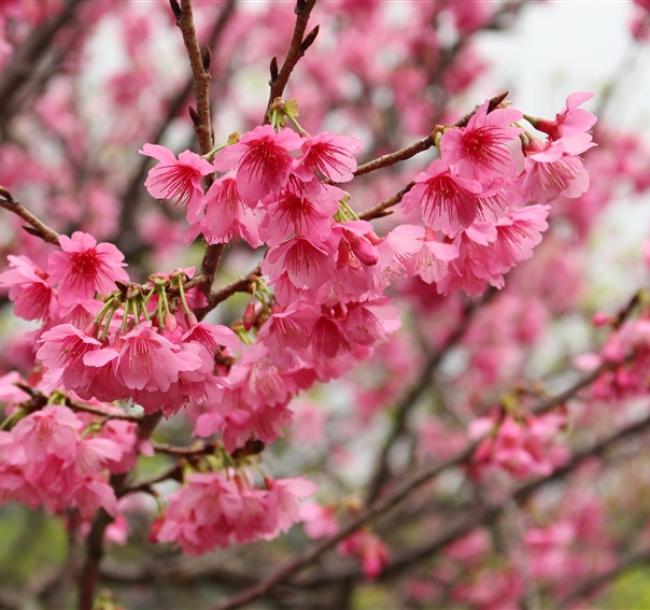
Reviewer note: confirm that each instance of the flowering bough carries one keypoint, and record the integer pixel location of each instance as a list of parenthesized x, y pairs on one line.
[(348, 287)]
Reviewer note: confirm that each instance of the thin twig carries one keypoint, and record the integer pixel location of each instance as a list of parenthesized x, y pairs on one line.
[(406, 153), (201, 118), (299, 44), (201, 75), (103, 414), (35, 225)]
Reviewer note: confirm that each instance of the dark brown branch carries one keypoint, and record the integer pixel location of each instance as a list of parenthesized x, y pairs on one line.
[(35, 225), (202, 122), (200, 74), (174, 573), (243, 284), (200, 448), (103, 414), (95, 541), (299, 44)]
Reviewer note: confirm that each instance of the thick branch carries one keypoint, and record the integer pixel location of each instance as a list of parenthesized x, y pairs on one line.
[(95, 541)]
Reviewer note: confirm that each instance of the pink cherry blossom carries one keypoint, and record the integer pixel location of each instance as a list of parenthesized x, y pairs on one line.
[(262, 160), (300, 209), (570, 122), (556, 169), (147, 360), (329, 155), (29, 289), (479, 150), (62, 352), (84, 267), (177, 180), (446, 201), (227, 218)]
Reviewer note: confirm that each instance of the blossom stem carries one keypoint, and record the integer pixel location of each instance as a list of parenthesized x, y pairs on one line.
[(181, 293)]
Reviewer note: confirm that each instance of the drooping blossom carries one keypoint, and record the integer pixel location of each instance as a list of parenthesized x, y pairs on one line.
[(29, 289), (226, 218), (213, 510), (556, 169), (572, 121)]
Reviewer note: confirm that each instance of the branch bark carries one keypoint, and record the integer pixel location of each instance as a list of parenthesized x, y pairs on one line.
[(408, 402), (95, 541)]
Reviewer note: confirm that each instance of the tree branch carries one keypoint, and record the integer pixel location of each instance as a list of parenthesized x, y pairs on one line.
[(593, 584), (406, 153), (485, 515), (130, 199), (385, 503), (95, 541)]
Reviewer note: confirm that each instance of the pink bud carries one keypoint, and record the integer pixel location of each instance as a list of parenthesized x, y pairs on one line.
[(364, 251), (601, 319), (249, 316), (170, 323)]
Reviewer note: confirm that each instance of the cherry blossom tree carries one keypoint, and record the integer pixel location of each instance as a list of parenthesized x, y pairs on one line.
[(277, 345)]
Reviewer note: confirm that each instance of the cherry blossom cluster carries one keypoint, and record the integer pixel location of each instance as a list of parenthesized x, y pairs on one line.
[(473, 199), (218, 509), (107, 339), (60, 459)]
